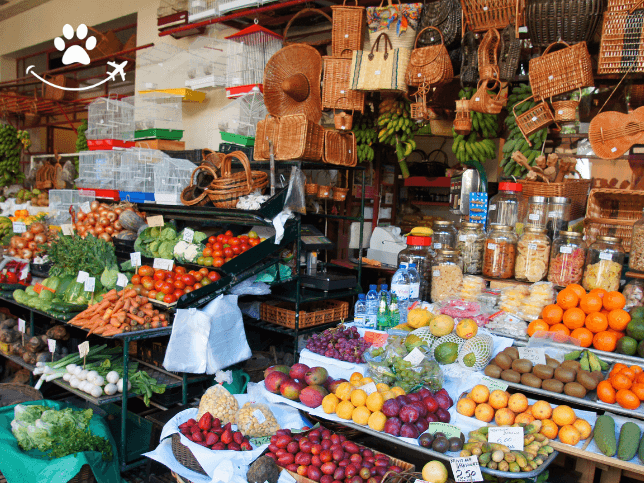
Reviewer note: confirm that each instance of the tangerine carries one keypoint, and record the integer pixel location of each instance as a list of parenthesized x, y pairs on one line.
[(343, 391), (552, 314), (639, 378), (518, 403), (590, 303), (563, 415), (614, 301), (382, 387), (562, 329), (627, 399), (480, 393), (568, 434), (537, 325), (361, 415), (600, 292), (605, 341), (606, 392), (583, 427), (638, 390), (628, 372), (498, 399), (484, 412), (356, 377), (636, 369), (344, 409), (398, 391), (358, 397), (504, 417), (578, 289), (549, 429), (617, 333), (574, 318), (466, 407), (330, 403), (583, 335), (567, 299), (375, 401), (620, 381), (618, 319), (596, 322), (618, 367), (542, 410)]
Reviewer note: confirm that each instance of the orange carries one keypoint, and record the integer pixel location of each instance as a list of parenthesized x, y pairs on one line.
[(541, 410), (583, 335), (574, 318), (356, 377), (361, 415), (618, 334), (590, 303), (605, 341), (484, 412), (504, 417), (578, 289), (600, 292), (614, 300), (627, 399), (563, 415), (567, 299), (466, 407), (606, 392), (518, 403), (568, 434), (560, 328), (618, 319), (552, 314), (639, 378), (549, 429), (536, 325), (524, 418), (330, 403), (638, 390), (618, 367), (596, 322), (498, 399), (375, 401), (636, 369), (358, 397), (480, 393), (620, 381), (583, 427), (628, 372)]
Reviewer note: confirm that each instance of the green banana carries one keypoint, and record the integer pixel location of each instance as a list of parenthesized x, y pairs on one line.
[(572, 356)]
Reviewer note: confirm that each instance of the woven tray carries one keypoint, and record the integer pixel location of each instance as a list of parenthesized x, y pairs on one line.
[(12, 393), (85, 475), (311, 314), (613, 212), (575, 189), (184, 456)]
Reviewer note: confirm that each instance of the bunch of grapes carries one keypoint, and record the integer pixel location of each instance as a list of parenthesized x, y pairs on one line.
[(344, 344)]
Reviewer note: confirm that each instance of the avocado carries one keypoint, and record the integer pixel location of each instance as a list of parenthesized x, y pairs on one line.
[(637, 313), (641, 450), (605, 435), (640, 348), (629, 438), (635, 329), (446, 353), (626, 345)]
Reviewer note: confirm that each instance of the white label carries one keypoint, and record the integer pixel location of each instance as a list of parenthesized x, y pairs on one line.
[(21, 325), (491, 246), (420, 75), (376, 72), (560, 112), (532, 246), (19, 227), (83, 349), (477, 99), (415, 357), (551, 77), (438, 246), (82, 276), (67, 229), (466, 469), (485, 9), (155, 220), (163, 264), (135, 259), (534, 216), (523, 30), (261, 419), (188, 235), (613, 150), (462, 238), (121, 280), (401, 291), (536, 356), (493, 384), (605, 256), (565, 249), (553, 214), (436, 273), (534, 118), (90, 284), (341, 92), (85, 208), (369, 388), (414, 291), (346, 36), (510, 437), (24, 272), (51, 344), (492, 208)]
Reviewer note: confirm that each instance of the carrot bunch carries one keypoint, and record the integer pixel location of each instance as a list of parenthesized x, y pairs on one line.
[(119, 312)]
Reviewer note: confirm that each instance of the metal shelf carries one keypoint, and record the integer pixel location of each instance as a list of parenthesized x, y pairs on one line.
[(18, 360), (288, 293)]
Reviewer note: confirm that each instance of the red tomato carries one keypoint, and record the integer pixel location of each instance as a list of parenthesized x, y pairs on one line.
[(148, 283), (146, 271), (244, 247), (159, 275), (169, 276), (236, 249), (189, 280), (212, 239), (188, 289), (253, 242), (197, 286), (214, 276), (228, 233), (234, 241), (243, 238), (221, 237), (217, 246), (136, 279), (178, 269), (203, 271), (228, 252), (207, 252), (158, 284), (178, 293), (198, 276), (218, 253), (160, 296), (169, 299), (179, 284), (167, 288), (12, 277), (152, 294), (217, 262)]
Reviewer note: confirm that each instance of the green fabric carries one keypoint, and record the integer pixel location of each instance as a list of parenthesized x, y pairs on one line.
[(33, 466)]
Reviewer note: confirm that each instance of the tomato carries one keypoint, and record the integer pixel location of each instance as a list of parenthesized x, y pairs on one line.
[(137, 289), (253, 242), (207, 252), (205, 281), (252, 234), (199, 262), (158, 284), (178, 269), (189, 280), (218, 253), (243, 238), (217, 246), (160, 296), (197, 286), (237, 249), (234, 241), (159, 275), (136, 279), (198, 277), (167, 288), (146, 271), (207, 262), (217, 262), (179, 284), (221, 237), (147, 282), (228, 233), (169, 299), (178, 293), (169, 276), (152, 294), (244, 247), (212, 239), (188, 289), (203, 271), (214, 276), (228, 252)]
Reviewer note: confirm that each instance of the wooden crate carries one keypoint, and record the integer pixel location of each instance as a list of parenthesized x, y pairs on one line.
[(162, 144), (311, 313)]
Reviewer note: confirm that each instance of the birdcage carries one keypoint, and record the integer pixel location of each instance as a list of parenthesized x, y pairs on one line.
[(202, 9), (158, 115), (98, 170), (238, 120), (136, 174), (61, 200), (171, 176), (226, 6), (161, 66), (110, 118), (248, 52), (171, 7), (207, 63)]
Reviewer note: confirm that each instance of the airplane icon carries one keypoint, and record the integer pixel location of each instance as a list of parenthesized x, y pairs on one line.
[(118, 69)]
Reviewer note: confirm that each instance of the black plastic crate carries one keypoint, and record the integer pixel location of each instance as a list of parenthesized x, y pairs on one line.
[(229, 148), (193, 155)]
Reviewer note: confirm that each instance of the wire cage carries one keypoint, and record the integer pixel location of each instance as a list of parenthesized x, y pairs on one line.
[(98, 169), (207, 63), (170, 7), (202, 9), (226, 6), (158, 115), (136, 173), (171, 176), (110, 118), (242, 115), (61, 200), (248, 52)]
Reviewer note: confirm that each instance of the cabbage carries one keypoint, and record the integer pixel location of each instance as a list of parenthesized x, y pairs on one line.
[(199, 236), (109, 278), (168, 233)]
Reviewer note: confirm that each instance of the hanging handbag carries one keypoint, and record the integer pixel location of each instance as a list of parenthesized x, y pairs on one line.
[(488, 55), (445, 15), (379, 71), (482, 101), (429, 65), (399, 22)]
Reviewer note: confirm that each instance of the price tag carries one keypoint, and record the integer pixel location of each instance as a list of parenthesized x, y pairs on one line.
[(513, 318), (436, 273), (51, 344), (510, 437), (534, 118), (85, 208), (82, 276), (438, 246), (121, 280), (532, 246), (188, 235), (534, 216), (19, 227), (135, 259), (493, 384), (257, 442), (68, 229), (376, 339), (466, 469), (83, 349), (163, 264), (491, 246), (376, 72), (605, 256), (24, 272), (90, 284), (369, 388), (492, 208), (565, 249), (155, 220), (462, 238), (448, 430), (612, 150), (22, 325), (536, 356), (415, 357), (560, 112), (261, 418)]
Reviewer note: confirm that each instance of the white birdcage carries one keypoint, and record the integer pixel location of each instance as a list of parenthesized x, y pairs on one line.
[(226, 6), (202, 9), (61, 200), (110, 118), (242, 115), (155, 111), (207, 63), (171, 176), (137, 170), (98, 169), (248, 52)]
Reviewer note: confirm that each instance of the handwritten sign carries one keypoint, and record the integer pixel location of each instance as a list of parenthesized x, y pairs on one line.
[(85, 208), (22, 325), (466, 469), (67, 229), (135, 259), (257, 442), (121, 280), (51, 344), (155, 220), (83, 349), (163, 264), (82, 276), (493, 384), (510, 437), (19, 227), (376, 339), (536, 356), (369, 388), (448, 430), (415, 357), (90, 284), (188, 235)]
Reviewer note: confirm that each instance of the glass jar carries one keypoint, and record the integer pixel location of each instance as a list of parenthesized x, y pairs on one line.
[(508, 206), (537, 212), (447, 275), (500, 252), (471, 244), (636, 260), (567, 258), (533, 253), (418, 252), (604, 262), (444, 236), (558, 215)]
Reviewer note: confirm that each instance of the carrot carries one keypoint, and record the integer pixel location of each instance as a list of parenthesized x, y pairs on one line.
[(137, 319), (101, 306), (156, 318), (130, 293), (118, 305), (162, 316), (144, 311), (115, 322), (148, 306), (107, 314), (112, 331), (144, 300)]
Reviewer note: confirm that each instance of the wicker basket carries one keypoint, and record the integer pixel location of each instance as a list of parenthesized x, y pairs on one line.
[(311, 189), (340, 148), (533, 119), (483, 15), (11, 393), (342, 120), (55, 94), (446, 15), (565, 111), (509, 54), (267, 130), (335, 86), (108, 44), (324, 192), (184, 456), (486, 103), (85, 475), (613, 212), (348, 30), (419, 111), (193, 195), (340, 194), (622, 36), (489, 55), (225, 191), (574, 189), (311, 313), (299, 138), (569, 20), (463, 121)]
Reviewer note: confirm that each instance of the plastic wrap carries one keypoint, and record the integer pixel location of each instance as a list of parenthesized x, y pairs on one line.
[(634, 293), (256, 420), (460, 309)]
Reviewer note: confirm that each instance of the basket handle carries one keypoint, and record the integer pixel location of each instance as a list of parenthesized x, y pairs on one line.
[(521, 102), (376, 46), (554, 44), (389, 2), (241, 156), (288, 25), (431, 27), (198, 168), (345, 2), (336, 103)]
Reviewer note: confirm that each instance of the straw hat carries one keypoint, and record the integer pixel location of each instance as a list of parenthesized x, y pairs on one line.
[(292, 82)]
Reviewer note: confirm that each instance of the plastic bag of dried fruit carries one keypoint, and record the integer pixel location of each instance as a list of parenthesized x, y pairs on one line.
[(256, 420), (220, 403), (634, 293), (541, 294)]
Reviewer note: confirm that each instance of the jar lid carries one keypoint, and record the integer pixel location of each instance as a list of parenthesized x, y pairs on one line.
[(534, 229), (571, 234), (423, 241), (542, 200), (508, 186), (443, 223), (467, 224), (559, 200), (448, 252), (501, 227), (610, 239)]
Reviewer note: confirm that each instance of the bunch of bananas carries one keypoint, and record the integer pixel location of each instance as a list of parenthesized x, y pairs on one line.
[(487, 125), (515, 140), (469, 149), (397, 129), (364, 128), (10, 148)]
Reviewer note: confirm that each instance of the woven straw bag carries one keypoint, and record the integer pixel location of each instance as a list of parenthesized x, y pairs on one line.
[(399, 22), (488, 55), (483, 102), (482, 15), (429, 65), (622, 39), (335, 85), (533, 119), (267, 130), (225, 191), (463, 121), (348, 29), (380, 71)]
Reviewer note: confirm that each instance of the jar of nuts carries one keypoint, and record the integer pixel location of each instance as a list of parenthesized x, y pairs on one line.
[(533, 252), (500, 252), (447, 275), (256, 420)]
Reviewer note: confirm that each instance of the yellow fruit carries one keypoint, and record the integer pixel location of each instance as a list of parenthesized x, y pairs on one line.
[(365, 380), (377, 421), (387, 395), (418, 318), (480, 393), (398, 391), (464, 406), (343, 391), (356, 377), (375, 401), (434, 472), (583, 427), (382, 387), (361, 415), (466, 329), (358, 397), (441, 325), (329, 403), (344, 409)]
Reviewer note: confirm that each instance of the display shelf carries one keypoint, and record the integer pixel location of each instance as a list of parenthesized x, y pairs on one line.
[(18, 360), (430, 203), (288, 293), (423, 182), (188, 94)]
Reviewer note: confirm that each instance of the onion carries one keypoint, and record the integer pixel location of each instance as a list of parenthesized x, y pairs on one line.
[(26, 253), (94, 205), (40, 238), (81, 231), (12, 252), (82, 216), (14, 240), (20, 243), (106, 237), (118, 226), (112, 377), (32, 245), (37, 228), (99, 229), (96, 392), (28, 236), (118, 211), (91, 231), (109, 230), (104, 221), (98, 380), (112, 216), (111, 389), (91, 218)]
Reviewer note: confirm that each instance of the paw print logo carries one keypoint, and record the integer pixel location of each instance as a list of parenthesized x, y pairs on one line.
[(75, 53)]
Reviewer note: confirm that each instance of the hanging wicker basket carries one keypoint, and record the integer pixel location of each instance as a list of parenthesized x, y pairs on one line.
[(343, 121), (324, 192), (225, 191), (348, 29), (533, 119)]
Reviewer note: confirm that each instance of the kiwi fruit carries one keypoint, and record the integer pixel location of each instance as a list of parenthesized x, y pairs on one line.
[(554, 363), (511, 376), (530, 380), (574, 365), (513, 352), (565, 374), (598, 376), (503, 361), (493, 371), (587, 380), (574, 389), (522, 365), (543, 371), (552, 385)]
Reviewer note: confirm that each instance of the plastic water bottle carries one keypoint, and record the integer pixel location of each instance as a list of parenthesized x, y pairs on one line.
[(383, 309), (394, 312), (414, 284), (384, 288), (400, 287), (372, 306), (360, 311)]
